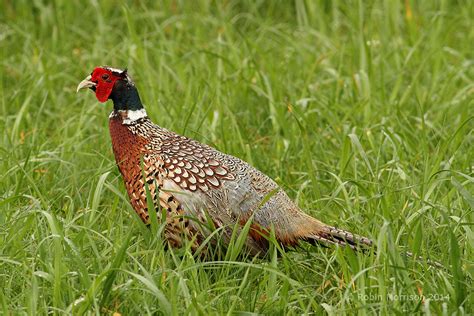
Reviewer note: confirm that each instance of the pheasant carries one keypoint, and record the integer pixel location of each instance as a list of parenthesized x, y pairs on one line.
[(194, 183)]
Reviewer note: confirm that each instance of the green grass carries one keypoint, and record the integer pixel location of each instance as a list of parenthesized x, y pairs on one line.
[(361, 110)]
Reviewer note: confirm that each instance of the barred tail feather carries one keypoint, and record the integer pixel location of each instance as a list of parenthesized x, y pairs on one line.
[(336, 236)]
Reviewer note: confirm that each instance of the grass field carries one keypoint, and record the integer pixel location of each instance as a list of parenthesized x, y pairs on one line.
[(362, 110)]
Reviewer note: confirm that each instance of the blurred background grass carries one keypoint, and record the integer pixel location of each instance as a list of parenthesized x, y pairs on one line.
[(361, 110)]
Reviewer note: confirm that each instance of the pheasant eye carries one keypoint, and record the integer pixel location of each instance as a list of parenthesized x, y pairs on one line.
[(105, 76)]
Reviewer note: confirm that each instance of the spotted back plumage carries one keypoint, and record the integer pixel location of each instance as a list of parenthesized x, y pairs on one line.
[(190, 164)]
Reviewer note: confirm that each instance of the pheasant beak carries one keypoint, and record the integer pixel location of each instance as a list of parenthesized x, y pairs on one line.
[(86, 83)]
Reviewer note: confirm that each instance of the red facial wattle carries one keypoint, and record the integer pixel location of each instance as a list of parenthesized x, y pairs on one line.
[(105, 80)]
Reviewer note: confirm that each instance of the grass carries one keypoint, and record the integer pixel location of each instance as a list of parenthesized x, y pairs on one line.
[(361, 110)]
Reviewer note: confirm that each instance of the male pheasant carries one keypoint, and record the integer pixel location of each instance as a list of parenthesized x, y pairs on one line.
[(194, 182)]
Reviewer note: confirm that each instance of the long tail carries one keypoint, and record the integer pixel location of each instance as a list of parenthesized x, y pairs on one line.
[(336, 236)]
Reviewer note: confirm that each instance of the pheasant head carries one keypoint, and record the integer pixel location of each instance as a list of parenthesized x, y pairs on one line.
[(113, 84)]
